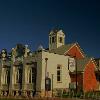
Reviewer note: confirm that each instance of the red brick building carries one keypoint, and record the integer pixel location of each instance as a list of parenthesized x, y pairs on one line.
[(86, 67)]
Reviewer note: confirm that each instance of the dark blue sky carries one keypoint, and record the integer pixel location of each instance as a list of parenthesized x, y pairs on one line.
[(29, 22)]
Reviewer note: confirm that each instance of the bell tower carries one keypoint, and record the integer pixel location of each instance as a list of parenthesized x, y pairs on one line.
[(56, 38)]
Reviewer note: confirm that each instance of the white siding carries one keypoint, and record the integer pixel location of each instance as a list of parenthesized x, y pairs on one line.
[(53, 61)]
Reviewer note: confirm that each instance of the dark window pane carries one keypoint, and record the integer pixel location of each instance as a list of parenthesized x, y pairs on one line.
[(17, 76), (58, 72), (20, 75), (60, 39), (58, 67), (33, 74), (53, 40), (8, 77), (30, 76), (50, 40), (58, 78)]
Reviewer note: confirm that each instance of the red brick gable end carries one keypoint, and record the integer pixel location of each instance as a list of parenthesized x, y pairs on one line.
[(75, 51), (89, 78)]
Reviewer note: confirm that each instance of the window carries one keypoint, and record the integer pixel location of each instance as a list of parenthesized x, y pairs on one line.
[(60, 39), (50, 40), (17, 76), (30, 75), (20, 75), (53, 39), (6, 77), (59, 73)]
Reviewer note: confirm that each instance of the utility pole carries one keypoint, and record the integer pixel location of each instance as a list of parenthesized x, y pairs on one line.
[(46, 59), (52, 85), (76, 73)]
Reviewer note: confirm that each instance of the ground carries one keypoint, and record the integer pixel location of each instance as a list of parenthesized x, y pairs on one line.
[(42, 99)]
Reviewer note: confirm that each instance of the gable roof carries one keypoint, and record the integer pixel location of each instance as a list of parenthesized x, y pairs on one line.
[(61, 50), (81, 63), (65, 48)]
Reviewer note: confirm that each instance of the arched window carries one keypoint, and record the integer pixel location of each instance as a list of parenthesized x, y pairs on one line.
[(50, 40), (17, 76), (6, 74), (60, 40), (30, 75), (20, 75), (5, 77)]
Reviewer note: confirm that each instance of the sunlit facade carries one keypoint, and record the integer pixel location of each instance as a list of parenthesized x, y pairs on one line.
[(46, 72)]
